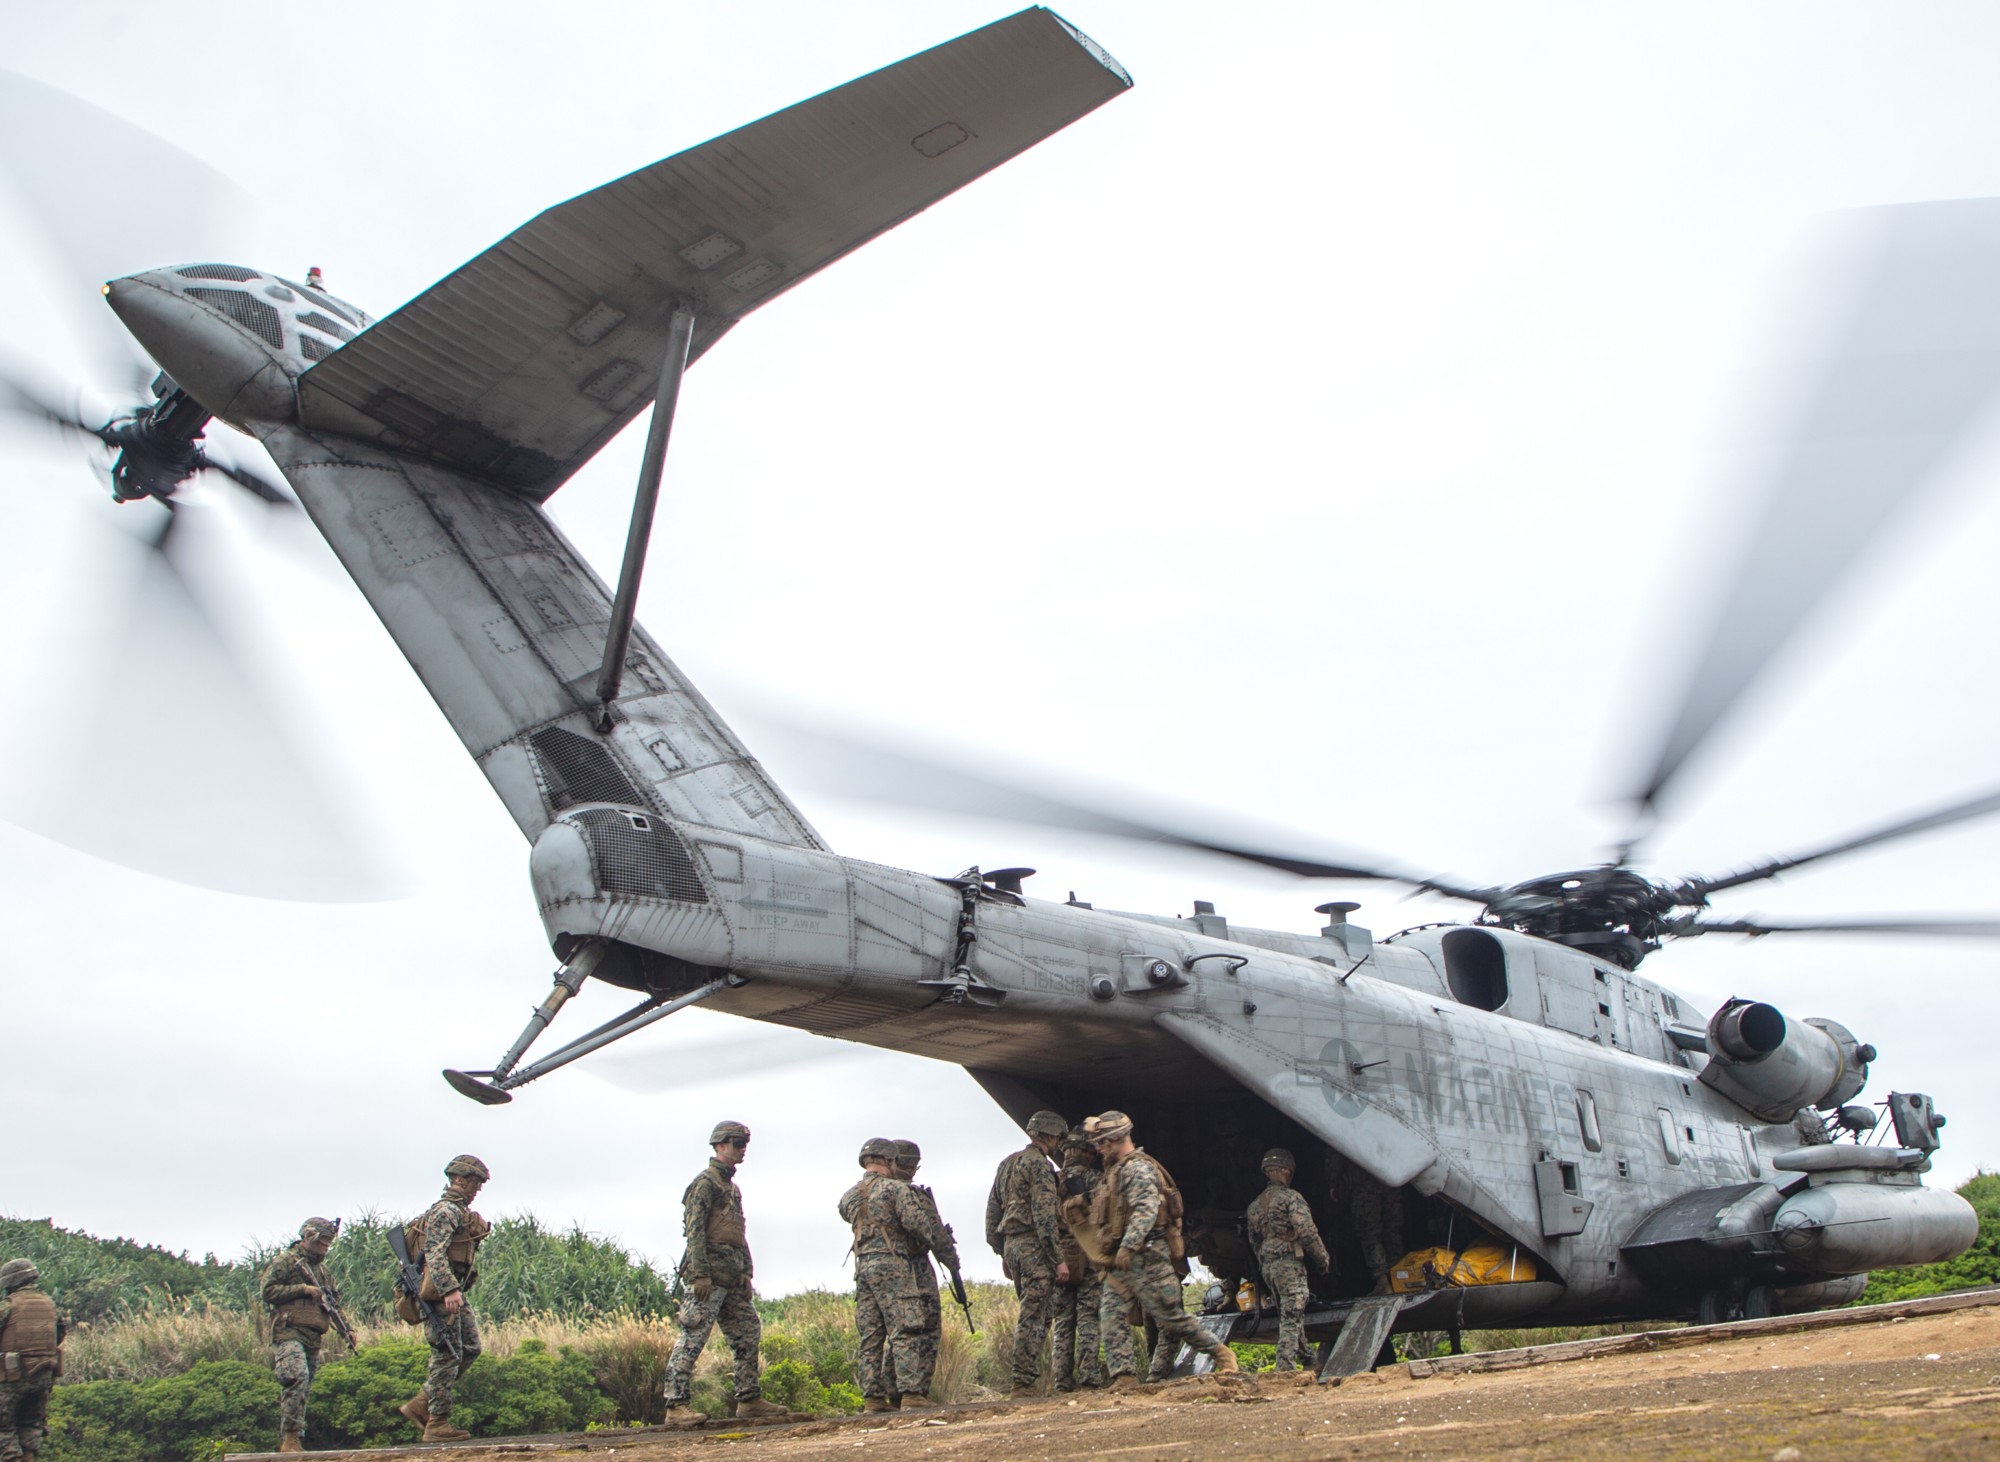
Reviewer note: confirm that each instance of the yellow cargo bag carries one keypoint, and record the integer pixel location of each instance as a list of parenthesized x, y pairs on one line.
[(1491, 1264), (1439, 1268), (1422, 1269)]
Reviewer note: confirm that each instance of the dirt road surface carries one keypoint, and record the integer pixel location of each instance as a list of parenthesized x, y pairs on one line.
[(1927, 1386)]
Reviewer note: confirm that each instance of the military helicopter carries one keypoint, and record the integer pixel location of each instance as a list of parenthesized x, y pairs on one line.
[(1513, 1078)]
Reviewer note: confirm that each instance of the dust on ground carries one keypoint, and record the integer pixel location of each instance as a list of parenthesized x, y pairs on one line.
[(1919, 1387)]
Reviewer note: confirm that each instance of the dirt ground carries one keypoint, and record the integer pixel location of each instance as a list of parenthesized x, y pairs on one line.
[(1921, 1387)]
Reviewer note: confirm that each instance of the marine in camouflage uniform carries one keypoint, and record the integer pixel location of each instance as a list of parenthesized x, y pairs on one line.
[(299, 1294), (717, 1271), (1374, 1211), (452, 1236), (1143, 1265), (30, 1359), (1074, 1330), (1282, 1231), (1022, 1226), (909, 1157), (894, 1230)]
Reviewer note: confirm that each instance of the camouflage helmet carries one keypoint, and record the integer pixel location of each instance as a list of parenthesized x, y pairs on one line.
[(17, 1272), (1045, 1124), (1076, 1137), (1107, 1126), (1279, 1157), (322, 1228), (878, 1149), (465, 1165), (908, 1154), (728, 1132)]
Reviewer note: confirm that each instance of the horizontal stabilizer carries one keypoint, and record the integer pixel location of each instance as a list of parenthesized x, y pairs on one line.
[(519, 366)]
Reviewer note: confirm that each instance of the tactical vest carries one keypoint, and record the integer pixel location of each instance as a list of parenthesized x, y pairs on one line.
[(1274, 1231), (462, 1253), (29, 1343), (1118, 1210), (301, 1314), (869, 1223), (725, 1219)]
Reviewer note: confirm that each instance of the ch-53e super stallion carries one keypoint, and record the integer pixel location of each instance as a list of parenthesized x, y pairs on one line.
[(1513, 1079)]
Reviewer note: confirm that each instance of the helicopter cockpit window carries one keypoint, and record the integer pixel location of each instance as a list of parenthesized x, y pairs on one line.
[(1475, 966)]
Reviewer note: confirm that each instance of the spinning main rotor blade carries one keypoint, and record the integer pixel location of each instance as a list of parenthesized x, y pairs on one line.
[(1984, 805), (1913, 366), (874, 772), (1955, 928)]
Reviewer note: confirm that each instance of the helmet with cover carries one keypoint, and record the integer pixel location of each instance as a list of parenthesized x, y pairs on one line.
[(1279, 1157), (728, 1132), (465, 1165), (17, 1272), (878, 1149), (1107, 1126), (1045, 1124), (323, 1230)]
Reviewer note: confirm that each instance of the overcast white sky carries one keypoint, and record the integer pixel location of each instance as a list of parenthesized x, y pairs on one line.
[(1335, 428)]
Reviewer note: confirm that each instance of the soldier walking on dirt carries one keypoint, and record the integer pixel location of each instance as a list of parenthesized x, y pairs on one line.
[(451, 1235), (303, 1303), (1021, 1227), (1073, 1334), (1284, 1235), (716, 1270), (1142, 1220), (893, 1231)]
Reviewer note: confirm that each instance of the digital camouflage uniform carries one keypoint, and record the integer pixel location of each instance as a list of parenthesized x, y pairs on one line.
[(1284, 1235), (452, 1236), (1021, 1227), (718, 1250), (30, 1360), (1137, 1190), (1374, 1211), (291, 1285), (894, 1232), (909, 1158), (1074, 1331)]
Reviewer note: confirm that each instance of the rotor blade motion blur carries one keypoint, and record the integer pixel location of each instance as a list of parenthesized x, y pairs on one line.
[(1912, 367), (1984, 805), (872, 771), (1952, 928)]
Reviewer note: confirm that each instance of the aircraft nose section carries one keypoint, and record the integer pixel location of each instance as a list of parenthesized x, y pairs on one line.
[(147, 306), (210, 341)]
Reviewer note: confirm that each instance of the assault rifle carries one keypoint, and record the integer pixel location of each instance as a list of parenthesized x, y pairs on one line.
[(329, 1302), (410, 1281), (958, 1293)]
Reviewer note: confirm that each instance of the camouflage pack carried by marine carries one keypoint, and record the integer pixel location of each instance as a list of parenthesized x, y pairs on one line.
[(1022, 1226), (1074, 1329), (894, 1230), (716, 1273), (1282, 1231), (302, 1302), (30, 1359), (1140, 1223)]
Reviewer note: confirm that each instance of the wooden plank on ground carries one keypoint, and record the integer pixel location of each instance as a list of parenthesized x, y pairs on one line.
[(1686, 1335)]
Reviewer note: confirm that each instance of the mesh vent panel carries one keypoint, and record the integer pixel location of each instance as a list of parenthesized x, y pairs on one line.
[(648, 861), (218, 271), (251, 314), (314, 349), (577, 769), (326, 323)]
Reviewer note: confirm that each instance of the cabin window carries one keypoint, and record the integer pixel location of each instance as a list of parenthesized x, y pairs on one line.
[(1475, 966), (1670, 1136), (1586, 1121), (1624, 1168)]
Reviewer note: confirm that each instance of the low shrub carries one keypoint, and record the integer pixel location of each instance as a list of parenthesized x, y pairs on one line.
[(216, 1406)]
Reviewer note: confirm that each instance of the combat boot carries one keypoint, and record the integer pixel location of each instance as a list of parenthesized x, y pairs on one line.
[(1024, 1393), (418, 1408), (758, 1408), (290, 1442), (917, 1401), (1225, 1361), (876, 1403), (1123, 1381), (443, 1431)]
